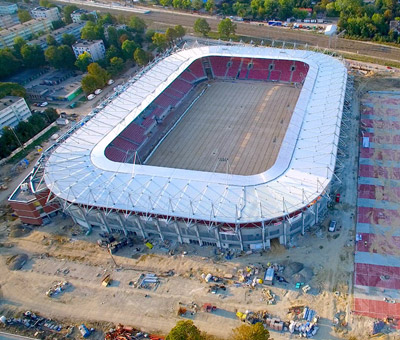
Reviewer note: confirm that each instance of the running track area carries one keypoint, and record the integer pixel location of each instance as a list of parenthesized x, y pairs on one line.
[(377, 256)]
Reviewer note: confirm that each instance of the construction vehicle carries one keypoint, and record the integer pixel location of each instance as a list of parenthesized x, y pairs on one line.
[(106, 280), (209, 308)]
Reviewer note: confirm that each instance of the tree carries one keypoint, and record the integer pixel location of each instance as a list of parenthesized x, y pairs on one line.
[(24, 15), (57, 24), (251, 332), (68, 39), (210, 6), (112, 52), (137, 25), (51, 41), (184, 330), (116, 65), (18, 43), (83, 61), (160, 41), (141, 57), (12, 89), (170, 34), (67, 13), (90, 83), (149, 35), (9, 63), (197, 4), (91, 31), (96, 70), (300, 14), (226, 28), (179, 31), (32, 55), (201, 26), (112, 36), (166, 3), (44, 3), (128, 47), (60, 57), (285, 9)]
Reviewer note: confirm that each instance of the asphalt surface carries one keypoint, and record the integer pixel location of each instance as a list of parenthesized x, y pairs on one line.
[(163, 16), (7, 336)]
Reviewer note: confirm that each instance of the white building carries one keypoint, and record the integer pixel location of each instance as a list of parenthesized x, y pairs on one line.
[(25, 30), (9, 20), (76, 15), (94, 47), (13, 110), (8, 8), (51, 13)]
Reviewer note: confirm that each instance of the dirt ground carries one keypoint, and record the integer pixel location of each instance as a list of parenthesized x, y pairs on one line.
[(59, 251), (243, 122)]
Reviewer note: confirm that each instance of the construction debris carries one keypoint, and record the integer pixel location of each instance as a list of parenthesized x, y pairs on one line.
[(148, 281), (122, 332), (57, 288), (268, 296)]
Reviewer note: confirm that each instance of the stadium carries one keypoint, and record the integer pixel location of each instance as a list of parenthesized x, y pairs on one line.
[(227, 146)]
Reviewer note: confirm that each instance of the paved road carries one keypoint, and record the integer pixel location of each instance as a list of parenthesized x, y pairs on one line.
[(7, 336), (160, 16)]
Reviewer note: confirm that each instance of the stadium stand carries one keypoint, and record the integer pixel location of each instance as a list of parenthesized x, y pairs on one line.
[(300, 72), (187, 76), (114, 154), (244, 68), (234, 67), (219, 66), (197, 69), (284, 67), (134, 133)]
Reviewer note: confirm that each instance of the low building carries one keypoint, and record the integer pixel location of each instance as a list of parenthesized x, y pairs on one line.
[(117, 27), (9, 20), (94, 47), (76, 15), (73, 29), (8, 8), (25, 31), (51, 13), (13, 110)]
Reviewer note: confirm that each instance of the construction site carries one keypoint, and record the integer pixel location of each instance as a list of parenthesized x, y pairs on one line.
[(59, 280)]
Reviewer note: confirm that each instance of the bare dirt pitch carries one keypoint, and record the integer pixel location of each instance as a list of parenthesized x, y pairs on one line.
[(234, 127)]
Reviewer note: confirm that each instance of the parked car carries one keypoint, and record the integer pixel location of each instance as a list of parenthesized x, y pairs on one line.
[(98, 91), (91, 96), (332, 226), (44, 104), (110, 82)]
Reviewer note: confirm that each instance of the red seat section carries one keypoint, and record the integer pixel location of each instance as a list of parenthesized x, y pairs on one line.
[(219, 65), (234, 67), (134, 133), (284, 67), (197, 69), (244, 68), (187, 76), (114, 154), (300, 72)]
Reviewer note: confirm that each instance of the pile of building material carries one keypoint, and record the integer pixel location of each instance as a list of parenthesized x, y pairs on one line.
[(307, 328), (148, 281), (275, 324), (268, 296), (33, 321), (122, 332), (253, 317), (57, 288)]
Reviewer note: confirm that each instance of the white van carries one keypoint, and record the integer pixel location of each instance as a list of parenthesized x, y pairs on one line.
[(91, 96), (98, 91)]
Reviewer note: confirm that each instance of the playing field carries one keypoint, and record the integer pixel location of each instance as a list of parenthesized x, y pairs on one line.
[(234, 127)]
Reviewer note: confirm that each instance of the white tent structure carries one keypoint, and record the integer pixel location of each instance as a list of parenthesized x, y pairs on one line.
[(148, 198)]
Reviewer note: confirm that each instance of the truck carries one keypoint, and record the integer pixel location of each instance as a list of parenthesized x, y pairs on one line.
[(269, 276), (274, 23)]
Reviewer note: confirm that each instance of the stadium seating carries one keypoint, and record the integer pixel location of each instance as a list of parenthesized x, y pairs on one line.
[(181, 86), (275, 75), (284, 66), (134, 133), (114, 154), (124, 143), (260, 69), (234, 68), (197, 69), (171, 92), (244, 68), (148, 121), (300, 72), (187, 76), (165, 101), (219, 65)]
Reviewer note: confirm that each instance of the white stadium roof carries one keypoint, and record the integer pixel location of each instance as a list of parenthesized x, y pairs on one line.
[(79, 173)]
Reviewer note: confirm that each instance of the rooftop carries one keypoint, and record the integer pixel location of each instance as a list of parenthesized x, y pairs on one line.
[(8, 100), (301, 174), (83, 43)]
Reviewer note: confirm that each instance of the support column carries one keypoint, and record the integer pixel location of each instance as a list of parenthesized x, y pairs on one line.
[(239, 232), (218, 238), (178, 232), (285, 225), (122, 224), (140, 226), (263, 233), (316, 211), (302, 223), (159, 230), (104, 221), (196, 228), (88, 226)]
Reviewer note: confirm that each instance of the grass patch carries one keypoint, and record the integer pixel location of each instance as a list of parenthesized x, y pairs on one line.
[(23, 153)]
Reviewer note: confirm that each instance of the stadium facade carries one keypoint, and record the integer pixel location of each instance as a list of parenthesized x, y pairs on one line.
[(90, 174)]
